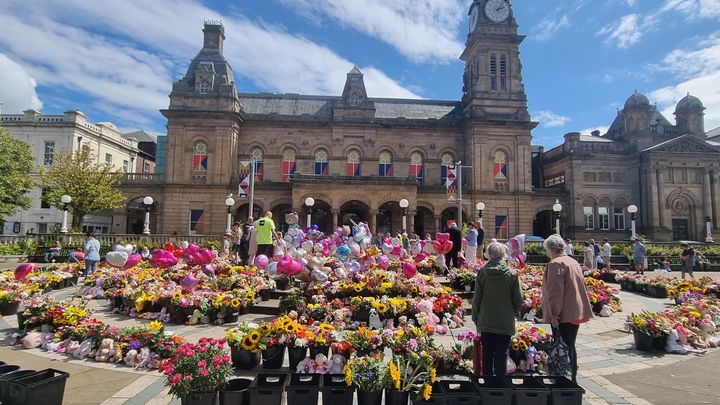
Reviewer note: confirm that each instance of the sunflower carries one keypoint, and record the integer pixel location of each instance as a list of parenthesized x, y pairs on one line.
[(325, 328), (178, 295), (247, 343), (358, 288), (348, 373), (427, 391), (265, 328), (290, 328), (395, 375), (381, 307), (235, 302), (254, 336), (433, 375)]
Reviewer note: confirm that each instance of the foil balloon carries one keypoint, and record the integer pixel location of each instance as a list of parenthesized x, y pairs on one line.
[(318, 276), (189, 283), (261, 261), (192, 248), (169, 247), (395, 241), (437, 245), (397, 250), (208, 269), (420, 257), (387, 248), (117, 258), (288, 239), (285, 265), (346, 230), (354, 267), (185, 244), (416, 249), (384, 262), (163, 259), (132, 261), (340, 273), (315, 262), (318, 248), (24, 269), (273, 271), (307, 246), (409, 270), (130, 249), (447, 246), (343, 252), (204, 256), (373, 251), (442, 237), (354, 248)]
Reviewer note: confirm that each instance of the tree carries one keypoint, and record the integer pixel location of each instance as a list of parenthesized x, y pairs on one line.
[(93, 186), (16, 166)]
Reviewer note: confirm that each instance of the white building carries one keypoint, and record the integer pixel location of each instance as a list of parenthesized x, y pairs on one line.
[(49, 134)]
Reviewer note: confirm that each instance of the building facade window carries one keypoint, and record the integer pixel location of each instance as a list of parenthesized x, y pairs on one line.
[(493, 72), (417, 168), (502, 226), (126, 166), (204, 88), (385, 164), (42, 227), (146, 167), (200, 157), (108, 158), (446, 161), (353, 164), (503, 73), (321, 163), (197, 222), (43, 201), (288, 164), (604, 218), (589, 214), (49, 152), (500, 166), (256, 155), (619, 216)]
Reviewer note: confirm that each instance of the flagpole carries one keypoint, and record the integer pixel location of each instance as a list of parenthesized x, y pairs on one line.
[(252, 188)]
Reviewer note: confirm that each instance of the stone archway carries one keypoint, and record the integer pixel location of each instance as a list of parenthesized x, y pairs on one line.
[(353, 211), (388, 218), (450, 214), (683, 217), (136, 216), (424, 222), (543, 225), (322, 216), (241, 214), (279, 212)]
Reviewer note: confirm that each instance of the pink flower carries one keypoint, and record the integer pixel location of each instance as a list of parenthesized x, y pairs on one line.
[(176, 378), (202, 364), (204, 372)]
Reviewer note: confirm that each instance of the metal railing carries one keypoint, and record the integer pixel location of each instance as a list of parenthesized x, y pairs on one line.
[(142, 178), (106, 239)]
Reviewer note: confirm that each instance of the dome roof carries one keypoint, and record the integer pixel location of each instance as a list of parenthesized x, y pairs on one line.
[(689, 102), (637, 100)]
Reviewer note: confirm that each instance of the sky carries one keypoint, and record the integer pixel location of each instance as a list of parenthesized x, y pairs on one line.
[(116, 60)]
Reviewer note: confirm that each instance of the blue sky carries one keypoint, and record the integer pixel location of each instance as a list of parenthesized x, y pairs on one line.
[(116, 60)]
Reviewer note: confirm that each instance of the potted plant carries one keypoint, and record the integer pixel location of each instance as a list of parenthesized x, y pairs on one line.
[(243, 341), (649, 330), (197, 371), (369, 376), (410, 374), (320, 338), (9, 302), (467, 280), (365, 341)]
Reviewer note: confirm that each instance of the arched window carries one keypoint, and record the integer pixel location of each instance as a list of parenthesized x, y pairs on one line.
[(503, 73), (385, 164), (200, 157), (416, 167), (446, 160), (500, 167), (256, 155), (288, 164), (493, 72), (353, 164), (204, 88), (321, 163)]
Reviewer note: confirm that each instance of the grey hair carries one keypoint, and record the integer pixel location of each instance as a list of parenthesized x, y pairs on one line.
[(496, 251), (555, 243)]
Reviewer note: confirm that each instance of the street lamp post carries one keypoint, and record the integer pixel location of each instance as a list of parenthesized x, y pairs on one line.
[(229, 202), (309, 202), (148, 201), (66, 200), (404, 204), (708, 230), (557, 208), (632, 209), (480, 207)]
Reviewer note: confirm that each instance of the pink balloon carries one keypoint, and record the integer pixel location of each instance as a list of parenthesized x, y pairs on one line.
[(23, 270), (296, 268), (208, 269), (261, 261), (132, 261), (189, 283), (397, 250), (285, 265), (193, 248), (437, 245), (409, 270), (163, 259), (384, 262), (204, 256), (420, 257), (447, 246), (442, 237)]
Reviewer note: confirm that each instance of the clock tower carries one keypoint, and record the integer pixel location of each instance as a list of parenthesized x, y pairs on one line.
[(492, 84)]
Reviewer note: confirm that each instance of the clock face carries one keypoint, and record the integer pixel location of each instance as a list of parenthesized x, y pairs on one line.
[(497, 10), (473, 18)]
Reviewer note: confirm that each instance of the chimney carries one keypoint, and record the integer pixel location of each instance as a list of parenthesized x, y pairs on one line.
[(214, 35)]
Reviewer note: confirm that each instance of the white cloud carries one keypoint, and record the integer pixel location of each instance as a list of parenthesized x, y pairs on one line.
[(17, 88), (549, 26), (694, 8), (549, 119), (125, 55), (630, 2), (602, 128), (422, 30), (628, 30), (699, 70)]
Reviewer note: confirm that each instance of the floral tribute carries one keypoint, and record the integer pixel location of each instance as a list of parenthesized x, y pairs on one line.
[(197, 367)]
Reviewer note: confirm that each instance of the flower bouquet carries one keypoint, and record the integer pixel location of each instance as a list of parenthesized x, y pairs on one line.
[(369, 376), (243, 341), (649, 330), (365, 341), (198, 369), (411, 373)]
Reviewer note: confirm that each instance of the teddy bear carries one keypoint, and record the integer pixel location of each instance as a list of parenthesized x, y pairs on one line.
[(306, 366), (147, 359), (107, 347), (117, 357), (708, 329), (131, 358), (337, 364), (375, 322), (425, 312), (83, 349), (339, 318), (542, 363), (530, 356), (36, 339), (71, 346)]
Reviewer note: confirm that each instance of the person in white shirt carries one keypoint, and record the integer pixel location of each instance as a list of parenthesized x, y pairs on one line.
[(605, 253), (569, 247)]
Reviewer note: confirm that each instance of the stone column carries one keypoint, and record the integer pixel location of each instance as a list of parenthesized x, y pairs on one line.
[(438, 225), (335, 214), (372, 220), (660, 197), (707, 194), (715, 204), (654, 203), (411, 221)]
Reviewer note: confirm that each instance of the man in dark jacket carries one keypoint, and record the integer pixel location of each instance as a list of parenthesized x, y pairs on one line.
[(456, 238)]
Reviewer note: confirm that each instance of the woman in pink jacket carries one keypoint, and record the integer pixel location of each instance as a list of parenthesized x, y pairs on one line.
[(565, 302)]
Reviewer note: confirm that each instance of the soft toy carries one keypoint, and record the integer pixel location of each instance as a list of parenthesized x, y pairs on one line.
[(117, 357), (337, 364), (530, 356), (516, 247), (708, 329), (306, 366), (107, 347), (375, 322), (321, 363), (449, 322), (340, 318), (53, 347), (425, 315), (70, 346), (36, 339), (97, 291), (195, 317), (131, 358), (83, 350)]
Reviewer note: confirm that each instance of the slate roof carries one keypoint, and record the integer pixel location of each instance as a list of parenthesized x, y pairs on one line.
[(590, 138), (141, 136)]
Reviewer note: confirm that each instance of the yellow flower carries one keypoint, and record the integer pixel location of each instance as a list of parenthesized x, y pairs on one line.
[(427, 391), (254, 336), (325, 328), (381, 307), (155, 326), (235, 302), (395, 375), (247, 343), (348, 373), (433, 375)]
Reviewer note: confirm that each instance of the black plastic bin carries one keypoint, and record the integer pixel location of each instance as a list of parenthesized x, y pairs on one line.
[(13, 375), (563, 391), (46, 387), (437, 397), (460, 392), (302, 389), (7, 368), (267, 389), (235, 392), (494, 390), (528, 390), (335, 390)]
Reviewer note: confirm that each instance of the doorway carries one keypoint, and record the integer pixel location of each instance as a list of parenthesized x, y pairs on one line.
[(680, 229)]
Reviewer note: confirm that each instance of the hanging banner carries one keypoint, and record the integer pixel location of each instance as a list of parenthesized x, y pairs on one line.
[(244, 176), (451, 180)]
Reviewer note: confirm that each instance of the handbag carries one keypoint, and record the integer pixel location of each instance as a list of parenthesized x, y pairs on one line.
[(559, 358)]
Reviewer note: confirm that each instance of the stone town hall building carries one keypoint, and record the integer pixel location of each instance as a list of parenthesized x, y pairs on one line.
[(358, 155)]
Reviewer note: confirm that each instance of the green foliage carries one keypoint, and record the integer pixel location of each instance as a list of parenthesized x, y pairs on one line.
[(18, 249), (16, 166), (93, 186)]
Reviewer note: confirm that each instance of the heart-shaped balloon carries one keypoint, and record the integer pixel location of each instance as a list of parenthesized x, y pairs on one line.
[(169, 247), (116, 258), (384, 262), (285, 265), (24, 269), (437, 245), (397, 250), (208, 269), (130, 249), (409, 270), (354, 248), (307, 246), (387, 248), (296, 267), (420, 257), (447, 246), (204, 256), (189, 283), (192, 248), (261, 261), (119, 248), (315, 262), (416, 249), (318, 276), (442, 237), (132, 261), (163, 259)]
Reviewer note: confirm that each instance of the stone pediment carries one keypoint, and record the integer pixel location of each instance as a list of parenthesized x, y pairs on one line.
[(684, 144)]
